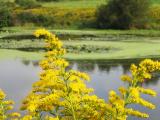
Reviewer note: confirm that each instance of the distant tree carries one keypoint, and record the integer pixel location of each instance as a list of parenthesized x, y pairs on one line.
[(122, 14)]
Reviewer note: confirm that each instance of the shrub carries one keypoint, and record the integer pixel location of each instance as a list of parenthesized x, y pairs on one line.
[(5, 17), (55, 17), (122, 14), (154, 14), (37, 19), (6, 14)]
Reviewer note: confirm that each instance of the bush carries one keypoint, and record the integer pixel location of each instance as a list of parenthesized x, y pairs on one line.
[(27, 3), (37, 19), (6, 14), (154, 14), (58, 17), (122, 14)]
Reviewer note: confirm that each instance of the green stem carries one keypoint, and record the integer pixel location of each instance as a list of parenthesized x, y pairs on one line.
[(73, 113), (70, 101)]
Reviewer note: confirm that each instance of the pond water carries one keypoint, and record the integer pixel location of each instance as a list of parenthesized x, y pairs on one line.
[(17, 76)]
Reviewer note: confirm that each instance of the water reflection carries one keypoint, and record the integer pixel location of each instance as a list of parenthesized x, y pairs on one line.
[(17, 76)]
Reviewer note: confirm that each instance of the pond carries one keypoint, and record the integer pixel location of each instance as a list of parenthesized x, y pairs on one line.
[(17, 76)]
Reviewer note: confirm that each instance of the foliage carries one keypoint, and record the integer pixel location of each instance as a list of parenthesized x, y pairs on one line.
[(154, 14), (64, 14), (36, 19), (122, 14), (55, 17), (63, 94), (6, 13)]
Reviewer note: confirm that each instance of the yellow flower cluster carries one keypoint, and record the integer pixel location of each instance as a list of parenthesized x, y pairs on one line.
[(144, 70), (60, 92), (132, 94)]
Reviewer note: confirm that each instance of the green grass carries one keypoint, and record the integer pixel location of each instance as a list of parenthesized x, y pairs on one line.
[(88, 32), (75, 4), (81, 3)]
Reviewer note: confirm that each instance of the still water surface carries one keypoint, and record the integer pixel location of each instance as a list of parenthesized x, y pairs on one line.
[(17, 76)]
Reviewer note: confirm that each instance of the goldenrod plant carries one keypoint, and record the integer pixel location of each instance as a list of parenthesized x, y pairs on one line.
[(5, 107), (61, 94), (132, 94)]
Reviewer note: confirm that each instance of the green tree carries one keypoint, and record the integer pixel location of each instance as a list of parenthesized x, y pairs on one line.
[(122, 14)]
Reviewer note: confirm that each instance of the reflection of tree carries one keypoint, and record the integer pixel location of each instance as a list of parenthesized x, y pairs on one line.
[(26, 62), (86, 66), (105, 66), (126, 68), (35, 63)]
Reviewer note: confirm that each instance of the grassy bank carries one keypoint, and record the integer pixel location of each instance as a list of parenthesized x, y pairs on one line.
[(83, 44), (122, 49), (20, 31)]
